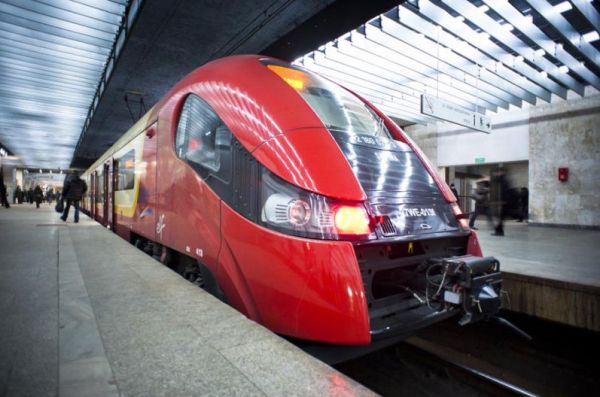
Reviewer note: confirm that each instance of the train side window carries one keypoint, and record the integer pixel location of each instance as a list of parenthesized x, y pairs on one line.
[(196, 134), (100, 187), (126, 171)]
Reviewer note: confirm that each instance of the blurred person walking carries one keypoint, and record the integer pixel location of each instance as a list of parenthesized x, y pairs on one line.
[(3, 198), (480, 195), (38, 196), (498, 196), (523, 204), (18, 195), (73, 191), (455, 192)]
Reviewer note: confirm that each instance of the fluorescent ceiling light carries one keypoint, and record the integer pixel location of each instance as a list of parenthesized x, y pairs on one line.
[(507, 26), (591, 36), (563, 69), (540, 52), (563, 7)]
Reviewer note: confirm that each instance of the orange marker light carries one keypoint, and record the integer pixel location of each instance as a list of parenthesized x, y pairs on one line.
[(352, 220), (295, 78)]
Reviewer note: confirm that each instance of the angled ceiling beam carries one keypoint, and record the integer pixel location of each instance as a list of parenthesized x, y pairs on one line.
[(96, 54), (589, 12), (319, 60), (514, 17), (487, 46), (405, 68), (63, 19), (477, 65), (37, 26), (338, 71), (493, 28), (378, 94), (14, 68), (51, 53), (565, 29), (37, 83), (52, 38), (347, 80), (406, 79), (441, 60), (34, 64)]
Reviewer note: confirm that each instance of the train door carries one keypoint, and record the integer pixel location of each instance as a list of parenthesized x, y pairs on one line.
[(113, 188), (105, 194), (145, 174), (92, 189)]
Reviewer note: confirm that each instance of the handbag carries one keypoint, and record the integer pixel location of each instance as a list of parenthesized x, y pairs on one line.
[(60, 206)]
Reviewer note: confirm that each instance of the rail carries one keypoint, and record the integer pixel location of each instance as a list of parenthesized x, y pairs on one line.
[(469, 364)]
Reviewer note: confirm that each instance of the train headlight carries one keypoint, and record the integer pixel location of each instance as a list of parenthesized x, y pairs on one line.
[(292, 210), (299, 212)]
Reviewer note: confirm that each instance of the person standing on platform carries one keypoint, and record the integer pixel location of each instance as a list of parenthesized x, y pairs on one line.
[(18, 195), (50, 195), (455, 192), (523, 204), (38, 196), (498, 198), (73, 191), (3, 198)]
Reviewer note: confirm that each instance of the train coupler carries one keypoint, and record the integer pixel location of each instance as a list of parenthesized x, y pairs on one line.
[(469, 283)]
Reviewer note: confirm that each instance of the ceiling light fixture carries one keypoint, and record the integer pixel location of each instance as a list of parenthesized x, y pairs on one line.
[(507, 26), (590, 36), (563, 69), (563, 7), (540, 52)]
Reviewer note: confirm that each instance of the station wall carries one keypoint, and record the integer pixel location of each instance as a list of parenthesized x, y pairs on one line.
[(565, 134)]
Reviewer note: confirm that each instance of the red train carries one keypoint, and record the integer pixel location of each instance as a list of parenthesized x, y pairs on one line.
[(295, 201)]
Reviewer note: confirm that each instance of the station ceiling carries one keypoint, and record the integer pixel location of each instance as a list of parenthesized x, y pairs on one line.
[(76, 74), (52, 54), (482, 55)]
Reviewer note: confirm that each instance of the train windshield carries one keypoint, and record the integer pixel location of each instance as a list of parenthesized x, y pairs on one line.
[(339, 109)]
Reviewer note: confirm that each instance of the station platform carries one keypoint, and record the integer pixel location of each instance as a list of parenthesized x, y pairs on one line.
[(548, 272), (83, 313)]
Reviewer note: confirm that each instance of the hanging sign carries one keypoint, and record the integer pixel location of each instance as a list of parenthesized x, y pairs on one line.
[(448, 111)]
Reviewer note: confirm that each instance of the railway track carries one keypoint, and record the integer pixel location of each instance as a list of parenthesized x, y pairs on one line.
[(484, 360), (482, 376)]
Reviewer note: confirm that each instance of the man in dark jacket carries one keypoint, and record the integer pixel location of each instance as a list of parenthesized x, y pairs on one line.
[(38, 196), (73, 191), (499, 195), (3, 198)]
